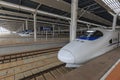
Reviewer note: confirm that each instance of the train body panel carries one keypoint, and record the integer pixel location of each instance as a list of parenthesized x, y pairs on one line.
[(85, 48)]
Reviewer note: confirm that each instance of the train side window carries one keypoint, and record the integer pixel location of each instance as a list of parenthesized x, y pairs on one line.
[(110, 41)]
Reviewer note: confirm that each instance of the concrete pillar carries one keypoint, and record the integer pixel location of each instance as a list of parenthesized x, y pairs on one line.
[(39, 29), (59, 31), (88, 26), (26, 24), (114, 22), (53, 26), (73, 24), (23, 26), (35, 30)]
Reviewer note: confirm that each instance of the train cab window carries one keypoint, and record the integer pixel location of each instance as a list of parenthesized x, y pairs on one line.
[(91, 35), (97, 34)]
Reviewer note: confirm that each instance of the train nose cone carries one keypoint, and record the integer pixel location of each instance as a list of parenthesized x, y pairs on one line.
[(65, 56)]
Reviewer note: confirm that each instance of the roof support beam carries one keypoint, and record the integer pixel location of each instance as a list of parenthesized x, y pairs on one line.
[(15, 13), (31, 10), (64, 6), (60, 5), (9, 20), (11, 5), (22, 19), (104, 5), (29, 16)]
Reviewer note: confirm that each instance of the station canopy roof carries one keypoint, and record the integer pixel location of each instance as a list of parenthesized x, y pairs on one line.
[(113, 4), (89, 10)]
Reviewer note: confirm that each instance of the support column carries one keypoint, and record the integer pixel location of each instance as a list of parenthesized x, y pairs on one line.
[(26, 24), (39, 30), (114, 22), (23, 27), (88, 26), (73, 24), (35, 30), (53, 26), (59, 31)]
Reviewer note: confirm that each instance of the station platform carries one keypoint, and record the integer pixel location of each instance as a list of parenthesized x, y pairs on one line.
[(94, 69), (18, 45), (13, 39), (113, 73)]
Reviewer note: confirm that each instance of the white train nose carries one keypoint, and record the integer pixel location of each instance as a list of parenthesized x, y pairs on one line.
[(65, 56)]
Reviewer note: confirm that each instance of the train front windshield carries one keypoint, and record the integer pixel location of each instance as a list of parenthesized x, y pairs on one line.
[(91, 35)]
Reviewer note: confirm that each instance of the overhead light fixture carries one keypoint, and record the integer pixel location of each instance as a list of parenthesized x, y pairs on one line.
[(113, 4), (90, 31)]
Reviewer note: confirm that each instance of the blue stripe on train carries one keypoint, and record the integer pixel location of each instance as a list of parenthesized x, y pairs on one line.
[(89, 38)]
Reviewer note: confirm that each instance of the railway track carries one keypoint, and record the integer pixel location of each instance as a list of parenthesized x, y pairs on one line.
[(50, 74), (24, 55), (33, 65)]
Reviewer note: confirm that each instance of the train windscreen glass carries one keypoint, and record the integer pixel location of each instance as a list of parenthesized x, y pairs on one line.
[(91, 35)]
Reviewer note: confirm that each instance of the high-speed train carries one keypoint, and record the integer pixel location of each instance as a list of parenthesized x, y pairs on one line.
[(93, 43), (25, 33)]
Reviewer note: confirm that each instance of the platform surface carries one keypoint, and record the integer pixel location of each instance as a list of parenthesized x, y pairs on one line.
[(94, 69), (14, 39), (113, 73)]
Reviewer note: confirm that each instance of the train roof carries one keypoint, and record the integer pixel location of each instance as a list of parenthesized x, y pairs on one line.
[(105, 29)]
